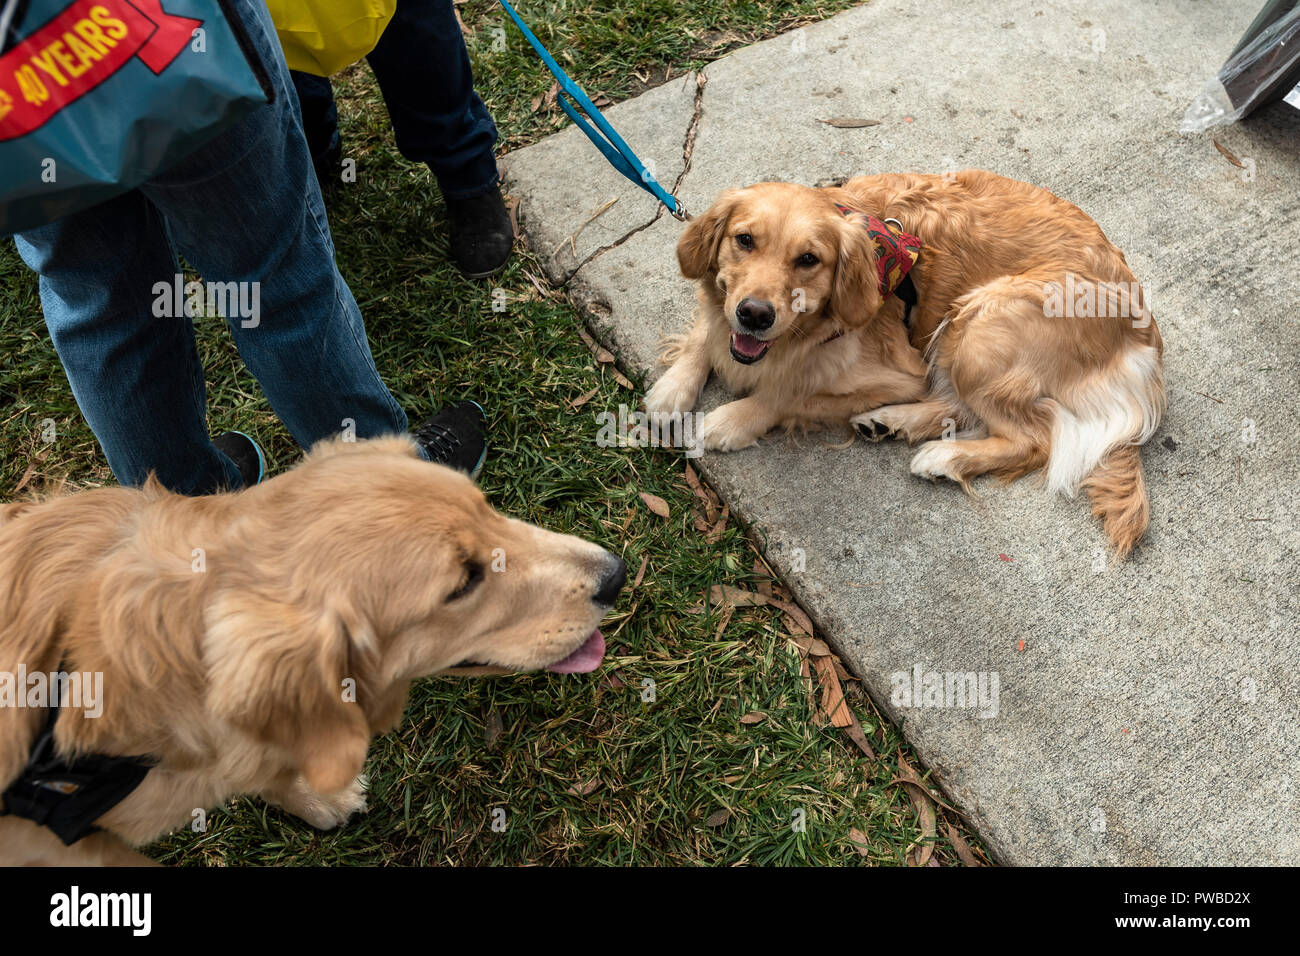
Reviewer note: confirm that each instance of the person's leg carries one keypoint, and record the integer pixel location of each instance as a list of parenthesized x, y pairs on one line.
[(248, 210), (320, 124), (424, 73), (135, 374)]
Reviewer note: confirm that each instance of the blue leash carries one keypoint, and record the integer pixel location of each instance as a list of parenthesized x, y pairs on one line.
[(604, 137)]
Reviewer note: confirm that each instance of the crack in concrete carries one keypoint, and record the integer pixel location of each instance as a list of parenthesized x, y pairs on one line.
[(688, 150)]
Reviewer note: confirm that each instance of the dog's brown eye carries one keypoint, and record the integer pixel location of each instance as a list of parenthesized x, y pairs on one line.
[(471, 579), (745, 240), (807, 259)]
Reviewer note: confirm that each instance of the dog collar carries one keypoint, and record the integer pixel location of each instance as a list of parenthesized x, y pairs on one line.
[(896, 250)]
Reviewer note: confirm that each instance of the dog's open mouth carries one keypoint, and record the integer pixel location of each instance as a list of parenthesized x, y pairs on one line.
[(585, 659), (746, 349)]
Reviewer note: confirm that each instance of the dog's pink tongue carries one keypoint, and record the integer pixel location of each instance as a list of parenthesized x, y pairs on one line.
[(747, 345), (585, 659)]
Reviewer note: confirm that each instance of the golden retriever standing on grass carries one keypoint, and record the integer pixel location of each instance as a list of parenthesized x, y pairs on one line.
[(1028, 347), (254, 642)]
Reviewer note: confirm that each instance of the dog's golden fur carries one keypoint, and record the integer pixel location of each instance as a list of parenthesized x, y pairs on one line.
[(227, 664), (1011, 384)]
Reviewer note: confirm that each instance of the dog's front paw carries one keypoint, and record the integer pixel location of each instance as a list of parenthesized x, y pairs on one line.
[(325, 811), (729, 428), (936, 460), (677, 390)]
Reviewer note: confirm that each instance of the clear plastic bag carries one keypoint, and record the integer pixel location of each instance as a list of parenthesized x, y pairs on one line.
[(1264, 67)]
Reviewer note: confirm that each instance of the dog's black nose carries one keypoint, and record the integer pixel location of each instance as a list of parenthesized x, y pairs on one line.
[(754, 315), (611, 581)]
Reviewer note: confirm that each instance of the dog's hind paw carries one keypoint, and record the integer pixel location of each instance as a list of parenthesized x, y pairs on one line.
[(876, 425), (935, 461)]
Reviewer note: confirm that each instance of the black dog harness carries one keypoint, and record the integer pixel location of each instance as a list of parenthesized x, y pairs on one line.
[(68, 796)]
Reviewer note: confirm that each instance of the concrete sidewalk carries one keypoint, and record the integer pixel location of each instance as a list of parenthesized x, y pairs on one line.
[(1153, 714)]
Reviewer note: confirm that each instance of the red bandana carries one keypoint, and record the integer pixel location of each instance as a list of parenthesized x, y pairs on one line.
[(896, 251)]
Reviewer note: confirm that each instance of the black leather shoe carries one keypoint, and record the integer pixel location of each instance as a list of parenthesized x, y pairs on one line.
[(481, 234)]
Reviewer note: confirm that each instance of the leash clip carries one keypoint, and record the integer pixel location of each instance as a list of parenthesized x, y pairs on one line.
[(895, 222), (680, 213)]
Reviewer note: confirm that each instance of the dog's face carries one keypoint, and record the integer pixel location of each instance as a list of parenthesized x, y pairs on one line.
[(776, 256), (384, 568)]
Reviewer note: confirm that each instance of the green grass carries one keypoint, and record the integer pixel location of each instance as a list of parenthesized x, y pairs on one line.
[(585, 770)]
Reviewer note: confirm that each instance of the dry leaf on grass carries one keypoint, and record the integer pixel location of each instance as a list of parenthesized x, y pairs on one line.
[(859, 841), (707, 497), (964, 852), (724, 621), (717, 818), (640, 574), (919, 853), (583, 399), (492, 729), (859, 737), (753, 717), (737, 597), (833, 704), (582, 789), (796, 615), (655, 504), (714, 534)]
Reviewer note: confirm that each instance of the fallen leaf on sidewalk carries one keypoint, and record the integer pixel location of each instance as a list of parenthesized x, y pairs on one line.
[(849, 122), (1228, 154)]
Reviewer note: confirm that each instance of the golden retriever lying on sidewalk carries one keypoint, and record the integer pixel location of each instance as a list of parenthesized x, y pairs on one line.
[(254, 642), (1026, 344)]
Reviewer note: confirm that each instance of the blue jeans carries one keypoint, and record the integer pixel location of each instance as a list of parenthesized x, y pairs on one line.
[(424, 73), (244, 209)]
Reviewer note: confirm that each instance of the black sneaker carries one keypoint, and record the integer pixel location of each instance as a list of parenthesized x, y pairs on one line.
[(481, 236), (245, 453), (455, 437)]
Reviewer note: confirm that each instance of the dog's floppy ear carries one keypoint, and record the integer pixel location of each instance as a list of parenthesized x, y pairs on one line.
[(296, 677), (697, 249), (855, 294)]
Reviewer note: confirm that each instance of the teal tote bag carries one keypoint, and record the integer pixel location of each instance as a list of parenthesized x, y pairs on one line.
[(98, 96)]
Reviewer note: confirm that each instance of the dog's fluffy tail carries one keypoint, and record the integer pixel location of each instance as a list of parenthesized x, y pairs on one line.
[(1118, 493), (1095, 443)]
